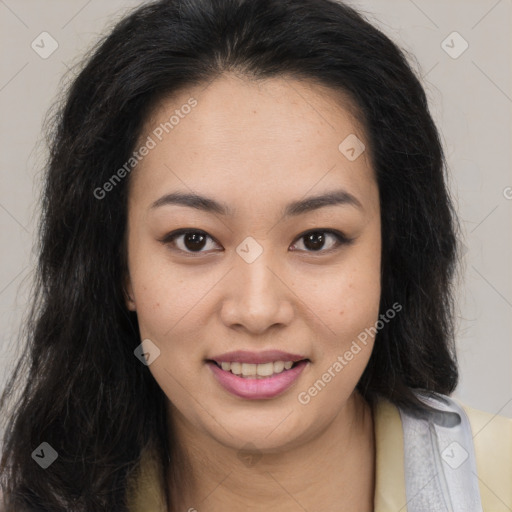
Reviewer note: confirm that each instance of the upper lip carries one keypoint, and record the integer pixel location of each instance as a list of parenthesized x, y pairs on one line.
[(244, 356)]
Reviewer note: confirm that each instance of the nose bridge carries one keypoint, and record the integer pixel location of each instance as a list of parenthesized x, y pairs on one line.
[(253, 271), (258, 296), (255, 278)]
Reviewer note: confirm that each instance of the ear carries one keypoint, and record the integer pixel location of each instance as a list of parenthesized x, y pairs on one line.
[(128, 294)]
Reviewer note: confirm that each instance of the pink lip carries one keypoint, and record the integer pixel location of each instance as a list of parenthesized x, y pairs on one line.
[(257, 389), (243, 356)]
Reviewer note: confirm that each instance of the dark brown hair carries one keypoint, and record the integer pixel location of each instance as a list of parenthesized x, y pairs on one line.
[(78, 385)]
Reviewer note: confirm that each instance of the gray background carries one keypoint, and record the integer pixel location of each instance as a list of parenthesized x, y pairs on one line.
[(470, 99)]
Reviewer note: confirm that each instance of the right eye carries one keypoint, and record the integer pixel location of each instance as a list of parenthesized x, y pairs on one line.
[(187, 240)]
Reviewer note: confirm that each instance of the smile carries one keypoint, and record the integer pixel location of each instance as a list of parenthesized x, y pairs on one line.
[(262, 370), (257, 381)]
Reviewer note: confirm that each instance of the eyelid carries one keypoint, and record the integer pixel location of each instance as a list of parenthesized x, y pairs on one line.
[(341, 238)]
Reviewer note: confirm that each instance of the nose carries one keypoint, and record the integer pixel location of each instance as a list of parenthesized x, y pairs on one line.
[(258, 296)]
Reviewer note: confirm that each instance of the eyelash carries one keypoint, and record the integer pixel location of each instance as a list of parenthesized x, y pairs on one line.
[(341, 239)]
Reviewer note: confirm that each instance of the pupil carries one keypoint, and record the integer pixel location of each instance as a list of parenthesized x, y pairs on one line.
[(314, 240), (194, 241)]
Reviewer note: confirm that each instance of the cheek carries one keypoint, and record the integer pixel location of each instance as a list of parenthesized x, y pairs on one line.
[(167, 306), (348, 306), (346, 300), (164, 294)]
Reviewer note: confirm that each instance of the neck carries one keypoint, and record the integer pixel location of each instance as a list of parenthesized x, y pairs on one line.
[(333, 471)]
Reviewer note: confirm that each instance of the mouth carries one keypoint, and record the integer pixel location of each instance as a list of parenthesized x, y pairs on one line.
[(257, 371), (247, 384)]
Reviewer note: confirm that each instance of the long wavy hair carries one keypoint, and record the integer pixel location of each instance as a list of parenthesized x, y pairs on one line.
[(78, 385)]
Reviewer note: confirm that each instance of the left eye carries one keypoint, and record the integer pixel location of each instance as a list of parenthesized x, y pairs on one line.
[(193, 241), (314, 241)]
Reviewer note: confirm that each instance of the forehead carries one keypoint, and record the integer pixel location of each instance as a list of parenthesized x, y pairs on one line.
[(244, 137)]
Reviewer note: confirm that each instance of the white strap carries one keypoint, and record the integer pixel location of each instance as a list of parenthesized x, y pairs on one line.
[(440, 465)]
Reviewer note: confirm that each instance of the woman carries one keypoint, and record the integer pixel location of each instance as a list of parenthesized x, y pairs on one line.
[(244, 297)]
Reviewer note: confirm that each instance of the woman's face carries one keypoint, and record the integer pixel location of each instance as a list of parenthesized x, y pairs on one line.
[(245, 275)]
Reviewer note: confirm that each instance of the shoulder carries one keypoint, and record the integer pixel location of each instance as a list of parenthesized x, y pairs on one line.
[(474, 446), (449, 450), (492, 439)]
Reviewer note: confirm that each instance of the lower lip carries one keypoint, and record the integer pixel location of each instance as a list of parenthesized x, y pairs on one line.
[(255, 389)]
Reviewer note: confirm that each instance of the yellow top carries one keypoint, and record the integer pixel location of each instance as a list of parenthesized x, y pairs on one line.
[(492, 437)]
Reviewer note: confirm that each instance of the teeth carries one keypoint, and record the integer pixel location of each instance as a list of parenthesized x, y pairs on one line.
[(257, 370), (279, 366)]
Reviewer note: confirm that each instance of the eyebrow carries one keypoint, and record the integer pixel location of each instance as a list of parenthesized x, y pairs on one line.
[(206, 204)]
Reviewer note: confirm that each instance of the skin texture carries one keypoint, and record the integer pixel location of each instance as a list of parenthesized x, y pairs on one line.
[(257, 146)]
